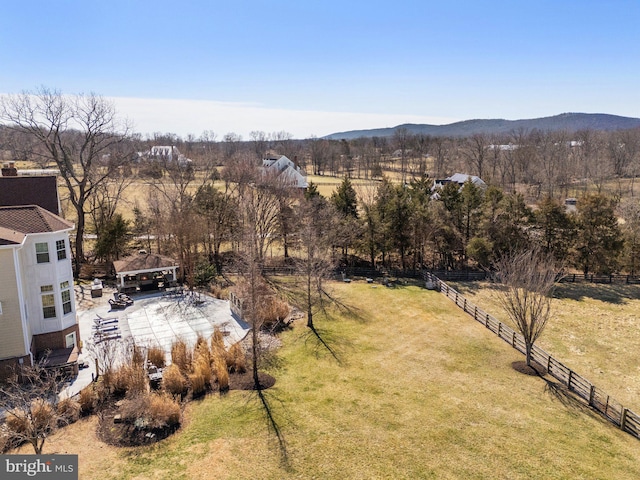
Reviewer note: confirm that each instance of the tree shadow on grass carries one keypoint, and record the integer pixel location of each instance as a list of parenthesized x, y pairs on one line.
[(274, 425), (609, 293), (323, 340), (573, 404)]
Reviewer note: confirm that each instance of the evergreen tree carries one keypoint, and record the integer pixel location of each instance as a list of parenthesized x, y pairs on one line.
[(556, 228), (345, 199), (599, 239)]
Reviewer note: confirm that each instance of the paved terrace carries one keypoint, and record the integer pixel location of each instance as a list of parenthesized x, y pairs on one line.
[(153, 319)]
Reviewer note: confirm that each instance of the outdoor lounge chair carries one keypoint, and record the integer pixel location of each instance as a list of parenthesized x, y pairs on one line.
[(117, 304)]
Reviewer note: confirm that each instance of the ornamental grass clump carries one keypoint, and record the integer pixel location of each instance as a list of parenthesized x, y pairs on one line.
[(181, 356), (222, 374), (173, 382), (68, 411), (88, 400), (156, 355), (238, 360)]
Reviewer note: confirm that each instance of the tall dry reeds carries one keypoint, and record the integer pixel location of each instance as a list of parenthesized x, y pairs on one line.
[(156, 355), (236, 359), (68, 410), (129, 379), (221, 372), (88, 400), (181, 356), (173, 381)]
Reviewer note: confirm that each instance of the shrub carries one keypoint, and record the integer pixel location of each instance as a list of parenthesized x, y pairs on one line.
[(137, 356), (87, 400), (68, 411), (219, 291), (273, 312), (217, 341), (43, 415), (238, 361), (163, 410), (222, 374), (16, 421), (134, 408), (129, 379), (198, 384), (202, 365), (173, 381), (181, 356), (156, 356), (151, 411)]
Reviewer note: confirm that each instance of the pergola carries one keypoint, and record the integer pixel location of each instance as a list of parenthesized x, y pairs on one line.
[(145, 271)]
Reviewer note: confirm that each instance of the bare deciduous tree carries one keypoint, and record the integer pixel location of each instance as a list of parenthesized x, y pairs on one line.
[(529, 278), (80, 133), (29, 400), (315, 264)]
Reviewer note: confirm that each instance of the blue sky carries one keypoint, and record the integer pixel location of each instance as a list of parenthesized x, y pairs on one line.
[(317, 67)]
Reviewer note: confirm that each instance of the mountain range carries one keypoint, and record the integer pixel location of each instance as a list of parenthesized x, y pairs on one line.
[(570, 122)]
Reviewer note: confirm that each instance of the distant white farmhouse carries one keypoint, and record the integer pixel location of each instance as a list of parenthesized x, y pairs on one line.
[(37, 304), (460, 179), (283, 168), (165, 153)]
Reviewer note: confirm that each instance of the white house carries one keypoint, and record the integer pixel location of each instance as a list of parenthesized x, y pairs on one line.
[(37, 304), (165, 153), (284, 168)]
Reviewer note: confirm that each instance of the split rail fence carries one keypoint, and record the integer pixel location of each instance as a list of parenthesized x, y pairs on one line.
[(597, 399)]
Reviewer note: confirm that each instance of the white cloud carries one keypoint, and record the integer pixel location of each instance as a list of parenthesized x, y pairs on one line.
[(194, 116)]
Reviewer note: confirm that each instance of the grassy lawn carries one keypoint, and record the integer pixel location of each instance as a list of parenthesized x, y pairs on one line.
[(413, 389), (594, 329)]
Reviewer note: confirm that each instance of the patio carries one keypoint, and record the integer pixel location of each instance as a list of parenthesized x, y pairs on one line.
[(157, 318)]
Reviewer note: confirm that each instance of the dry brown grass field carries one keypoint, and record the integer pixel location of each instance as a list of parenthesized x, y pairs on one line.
[(594, 330), (414, 388)]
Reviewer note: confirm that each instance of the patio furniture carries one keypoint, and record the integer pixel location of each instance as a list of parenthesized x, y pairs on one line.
[(117, 304)]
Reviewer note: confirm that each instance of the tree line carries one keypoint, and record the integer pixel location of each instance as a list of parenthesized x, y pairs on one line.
[(198, 211)]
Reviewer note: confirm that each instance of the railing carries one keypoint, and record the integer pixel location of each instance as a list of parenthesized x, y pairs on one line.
[(597, 399)]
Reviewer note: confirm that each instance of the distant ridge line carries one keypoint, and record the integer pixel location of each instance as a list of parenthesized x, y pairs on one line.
[(569, 122)]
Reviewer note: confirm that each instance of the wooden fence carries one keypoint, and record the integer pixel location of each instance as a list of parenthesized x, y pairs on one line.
[(597, 399)]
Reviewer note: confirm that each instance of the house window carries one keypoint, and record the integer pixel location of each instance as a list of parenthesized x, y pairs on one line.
[(70, 340), (42, 252), (48, 301), (65, 293), (61, 248)]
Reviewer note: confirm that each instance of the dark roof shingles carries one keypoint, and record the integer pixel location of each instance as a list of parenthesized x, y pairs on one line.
[(31, 219)]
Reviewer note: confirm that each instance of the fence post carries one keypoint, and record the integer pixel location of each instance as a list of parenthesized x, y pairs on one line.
[(486, 320), (623, 418), (549, 364), (513, 340), (592, 394), (569, 382), (464, 306), (475, 313), (499, 328)]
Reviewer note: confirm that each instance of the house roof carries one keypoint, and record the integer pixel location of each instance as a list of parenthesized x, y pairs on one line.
[(143, 262), (42, 191), (18, 221), (284, 168), (463, 177), (10, 237)]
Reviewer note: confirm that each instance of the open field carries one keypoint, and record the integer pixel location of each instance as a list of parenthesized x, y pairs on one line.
[(327, 185), (594, 330), (416, 389)]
